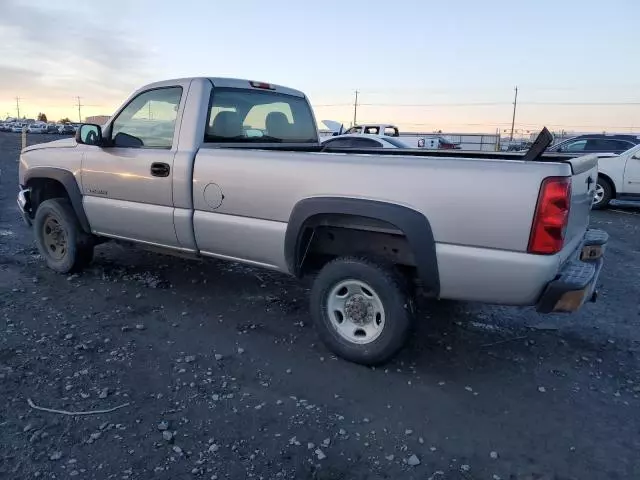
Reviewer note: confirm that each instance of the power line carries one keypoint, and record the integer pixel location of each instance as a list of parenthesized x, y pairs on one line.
[(487, 104), (508, 124), (333, 105), (482, 104), (586, 104)]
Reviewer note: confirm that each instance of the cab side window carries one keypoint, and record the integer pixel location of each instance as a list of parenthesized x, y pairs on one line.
[(149, 120)]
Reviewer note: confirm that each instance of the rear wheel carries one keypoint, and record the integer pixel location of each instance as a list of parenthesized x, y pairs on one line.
[(362, 309), (603, 194), (59, 237)]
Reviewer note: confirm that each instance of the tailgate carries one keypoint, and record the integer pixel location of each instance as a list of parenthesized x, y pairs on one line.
[(583, 185)]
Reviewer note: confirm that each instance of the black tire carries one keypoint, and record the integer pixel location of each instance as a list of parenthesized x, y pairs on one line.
[(77, 251), (607, 194), (390, 288)]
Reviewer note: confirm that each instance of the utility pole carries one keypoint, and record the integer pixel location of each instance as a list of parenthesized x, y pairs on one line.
[(513, 119), (355, 109), (18, 105), (79, 110)]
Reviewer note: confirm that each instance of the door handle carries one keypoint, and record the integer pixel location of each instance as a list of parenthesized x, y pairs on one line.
[(160, 169)]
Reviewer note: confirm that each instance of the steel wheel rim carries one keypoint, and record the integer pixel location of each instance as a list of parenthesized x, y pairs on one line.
[(54, 237), (599, 194), (355, 311)]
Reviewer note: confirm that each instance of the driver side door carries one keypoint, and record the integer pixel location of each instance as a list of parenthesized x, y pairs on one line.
[(127, 184)]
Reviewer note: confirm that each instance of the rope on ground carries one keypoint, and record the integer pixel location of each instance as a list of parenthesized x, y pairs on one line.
[(67, 412)]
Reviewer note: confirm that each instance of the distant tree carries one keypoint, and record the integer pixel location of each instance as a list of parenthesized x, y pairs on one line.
[(42, 117), (65, 120)]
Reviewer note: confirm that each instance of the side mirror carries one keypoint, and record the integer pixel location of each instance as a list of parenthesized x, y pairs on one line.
[(89, 134)]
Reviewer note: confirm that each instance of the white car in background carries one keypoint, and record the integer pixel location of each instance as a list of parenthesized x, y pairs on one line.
[(363, 141), (17, 127), (618, 178), (37, 128)]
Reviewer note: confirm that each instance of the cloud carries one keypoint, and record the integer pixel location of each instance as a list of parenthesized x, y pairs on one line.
[(12, 76), (53, 54)]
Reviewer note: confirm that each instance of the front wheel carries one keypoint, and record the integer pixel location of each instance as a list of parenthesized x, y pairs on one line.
[(59, 237), (362, 309), (603, 194)]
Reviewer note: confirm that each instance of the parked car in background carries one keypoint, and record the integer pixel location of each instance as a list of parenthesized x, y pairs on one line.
[(515, 145), (17, 127), (618, 178), (358, 140), (37, 127), (52, 128), (66, 129), (596, 143)]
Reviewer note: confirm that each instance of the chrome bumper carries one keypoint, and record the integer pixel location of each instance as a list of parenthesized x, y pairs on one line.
[(24, 204)]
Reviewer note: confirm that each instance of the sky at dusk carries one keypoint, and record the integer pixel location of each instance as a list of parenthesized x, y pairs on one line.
[(418, 64)]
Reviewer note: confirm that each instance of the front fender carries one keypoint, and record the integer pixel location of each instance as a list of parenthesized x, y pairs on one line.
[(68, 181)]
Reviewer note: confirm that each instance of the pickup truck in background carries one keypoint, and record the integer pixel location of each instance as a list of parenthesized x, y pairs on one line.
[(233, 169)]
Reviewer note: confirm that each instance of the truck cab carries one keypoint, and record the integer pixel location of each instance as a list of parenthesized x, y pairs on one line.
[(375, 129)]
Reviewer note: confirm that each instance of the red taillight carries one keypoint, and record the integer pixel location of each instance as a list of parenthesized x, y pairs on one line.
[(263, 85), (551, 216)]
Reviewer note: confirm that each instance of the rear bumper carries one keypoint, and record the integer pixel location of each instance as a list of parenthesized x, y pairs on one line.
[(576, 282), (24, 205)]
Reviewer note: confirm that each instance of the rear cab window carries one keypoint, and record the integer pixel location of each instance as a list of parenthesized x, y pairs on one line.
[(391, 131), (238, 115)]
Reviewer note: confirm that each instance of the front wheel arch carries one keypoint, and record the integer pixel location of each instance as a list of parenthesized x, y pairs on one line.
[(41, 178)]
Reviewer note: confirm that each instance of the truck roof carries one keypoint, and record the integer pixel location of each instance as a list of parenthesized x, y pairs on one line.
[(223, 82)]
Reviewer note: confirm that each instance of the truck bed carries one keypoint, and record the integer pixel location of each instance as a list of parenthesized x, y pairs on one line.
[(410, 152)]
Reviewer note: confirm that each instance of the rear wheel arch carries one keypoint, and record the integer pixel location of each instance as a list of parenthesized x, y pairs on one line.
[(49, 182), (411, 224)]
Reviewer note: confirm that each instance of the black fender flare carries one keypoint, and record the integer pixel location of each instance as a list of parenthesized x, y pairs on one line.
[(413, 224), (69, 182)]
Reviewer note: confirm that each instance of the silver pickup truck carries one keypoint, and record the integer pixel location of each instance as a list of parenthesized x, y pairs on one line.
[(233, 169)]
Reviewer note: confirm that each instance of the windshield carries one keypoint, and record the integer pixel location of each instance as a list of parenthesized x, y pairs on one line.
[(259, 116)]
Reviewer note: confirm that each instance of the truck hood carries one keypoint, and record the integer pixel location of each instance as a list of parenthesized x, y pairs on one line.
[(64, 143)]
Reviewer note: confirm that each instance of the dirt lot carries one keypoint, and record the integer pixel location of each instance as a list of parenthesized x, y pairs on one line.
[(219, 374)]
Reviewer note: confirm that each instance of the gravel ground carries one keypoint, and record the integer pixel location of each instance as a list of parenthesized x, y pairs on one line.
[(213, 371)]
